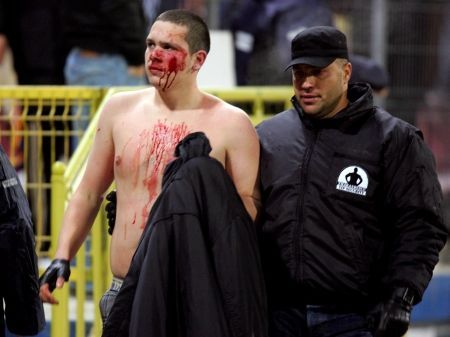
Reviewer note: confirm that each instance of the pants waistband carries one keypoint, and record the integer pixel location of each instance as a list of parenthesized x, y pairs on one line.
[(116, 283)]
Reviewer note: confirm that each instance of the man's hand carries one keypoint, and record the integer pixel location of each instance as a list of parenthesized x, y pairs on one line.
[(110, 209), (394, 314), (54, 277)]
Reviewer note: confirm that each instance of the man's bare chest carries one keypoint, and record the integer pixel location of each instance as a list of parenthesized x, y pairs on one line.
[(148, 148)]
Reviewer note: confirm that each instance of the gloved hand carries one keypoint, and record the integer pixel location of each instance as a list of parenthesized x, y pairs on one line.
[(393, 315), (110, 209), (58, 268)]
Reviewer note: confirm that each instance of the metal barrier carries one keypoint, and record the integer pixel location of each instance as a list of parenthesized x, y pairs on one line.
[(35, 130), (91, 262), (259, 102)]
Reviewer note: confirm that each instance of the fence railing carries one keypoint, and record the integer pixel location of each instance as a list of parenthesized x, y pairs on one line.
[(35, 130)]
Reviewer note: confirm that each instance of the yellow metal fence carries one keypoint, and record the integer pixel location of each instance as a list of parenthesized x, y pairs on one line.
[(35, 130), (36, 127)]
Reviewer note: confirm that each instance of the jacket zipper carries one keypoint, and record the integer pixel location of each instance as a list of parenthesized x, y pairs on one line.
[(299, 229)]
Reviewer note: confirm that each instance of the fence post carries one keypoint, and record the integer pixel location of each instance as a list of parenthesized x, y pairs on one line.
[(100, 268), (60, 313)]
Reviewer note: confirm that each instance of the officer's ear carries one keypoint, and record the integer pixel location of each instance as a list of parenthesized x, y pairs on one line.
[(347, 69)]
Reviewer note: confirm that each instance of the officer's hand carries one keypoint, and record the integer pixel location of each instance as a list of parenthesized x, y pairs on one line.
[(394, 314), (54, 277), (110, 209)]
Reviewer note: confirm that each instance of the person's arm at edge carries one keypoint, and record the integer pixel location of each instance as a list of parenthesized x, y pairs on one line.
[(3, 25), (3, 47), (242, 162), (85, 202)]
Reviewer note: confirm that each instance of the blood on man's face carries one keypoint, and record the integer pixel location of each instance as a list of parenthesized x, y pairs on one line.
[(170, 62)]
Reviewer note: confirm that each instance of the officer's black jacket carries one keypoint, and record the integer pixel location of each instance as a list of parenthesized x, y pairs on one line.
[(19, 287), (196, 271), (352, 206)]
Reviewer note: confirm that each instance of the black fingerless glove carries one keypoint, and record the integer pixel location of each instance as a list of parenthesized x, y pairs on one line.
[(393, 315), (58, 268), (110, 209)]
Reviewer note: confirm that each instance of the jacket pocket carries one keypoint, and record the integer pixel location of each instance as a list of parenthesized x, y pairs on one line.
[(354, 242)]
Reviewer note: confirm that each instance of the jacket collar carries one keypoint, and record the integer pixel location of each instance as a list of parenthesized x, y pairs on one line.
[(349, 119)]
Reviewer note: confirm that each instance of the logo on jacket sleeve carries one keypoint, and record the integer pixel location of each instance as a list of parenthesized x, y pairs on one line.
[(9, 182), (353, 179)]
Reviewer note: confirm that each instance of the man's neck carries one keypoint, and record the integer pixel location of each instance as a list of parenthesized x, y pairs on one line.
[(173, 99)]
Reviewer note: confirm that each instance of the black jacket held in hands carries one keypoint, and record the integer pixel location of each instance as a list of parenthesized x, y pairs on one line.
[(196, 271), (19, 287), (352, 206)]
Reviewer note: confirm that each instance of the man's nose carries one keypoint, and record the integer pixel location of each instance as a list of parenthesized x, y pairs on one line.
[(155, 53), (308, 81)]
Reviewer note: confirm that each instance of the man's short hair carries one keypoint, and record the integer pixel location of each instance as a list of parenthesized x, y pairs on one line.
[(197, 36)]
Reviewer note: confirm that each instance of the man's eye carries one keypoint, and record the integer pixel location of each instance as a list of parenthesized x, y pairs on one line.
[(312, 72), (317, 72)]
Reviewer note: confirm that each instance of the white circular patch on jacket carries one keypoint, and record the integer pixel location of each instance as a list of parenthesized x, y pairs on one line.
[(353, 179)]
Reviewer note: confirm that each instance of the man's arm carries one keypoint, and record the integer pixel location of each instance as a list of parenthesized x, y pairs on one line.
[(242, 161), (83, 206), (3, 46), (415, 231), (4, 11), (417, 226)]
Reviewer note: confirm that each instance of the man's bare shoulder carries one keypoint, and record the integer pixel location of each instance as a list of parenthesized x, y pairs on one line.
[(129, 98), (230, 114)]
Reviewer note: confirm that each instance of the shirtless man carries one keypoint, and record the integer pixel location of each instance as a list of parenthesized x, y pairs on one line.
[(136, 137)]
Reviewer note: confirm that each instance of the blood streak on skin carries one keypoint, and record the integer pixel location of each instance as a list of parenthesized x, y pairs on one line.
[(154, 151), (172, 61)]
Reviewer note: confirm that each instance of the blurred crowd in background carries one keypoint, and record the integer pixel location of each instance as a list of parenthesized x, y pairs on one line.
[(401, 47), (51, 40)]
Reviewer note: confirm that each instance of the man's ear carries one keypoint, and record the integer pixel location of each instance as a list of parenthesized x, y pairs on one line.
[(199, 60), (347, 71)]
